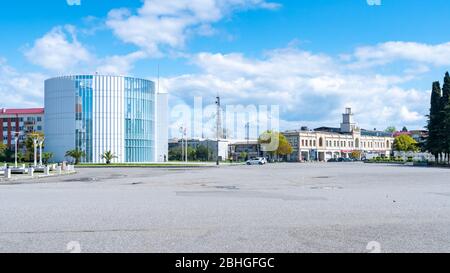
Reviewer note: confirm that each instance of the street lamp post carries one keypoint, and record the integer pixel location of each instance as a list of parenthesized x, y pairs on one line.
[(186, 142), (16, 143), (35, 142), (182, 131), (41, 143), (218, 128)]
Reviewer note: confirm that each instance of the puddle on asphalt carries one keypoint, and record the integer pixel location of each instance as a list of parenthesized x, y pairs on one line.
[(227, 187), (83, 179)]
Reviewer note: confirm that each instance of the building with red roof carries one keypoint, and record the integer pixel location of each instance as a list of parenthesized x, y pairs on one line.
[(20, 122)]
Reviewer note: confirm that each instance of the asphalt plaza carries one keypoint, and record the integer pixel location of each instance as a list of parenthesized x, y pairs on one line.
[(334, 207)]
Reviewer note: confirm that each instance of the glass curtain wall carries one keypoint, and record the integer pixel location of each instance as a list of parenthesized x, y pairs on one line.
[(139, 120), (83, 112)]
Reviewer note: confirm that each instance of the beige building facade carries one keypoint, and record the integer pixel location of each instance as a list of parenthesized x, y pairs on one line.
[(325, 143)]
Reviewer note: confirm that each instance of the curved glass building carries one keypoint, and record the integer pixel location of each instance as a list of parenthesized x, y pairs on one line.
[(96, 114)]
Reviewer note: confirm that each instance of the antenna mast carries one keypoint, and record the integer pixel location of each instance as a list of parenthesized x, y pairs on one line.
[(218, 126)]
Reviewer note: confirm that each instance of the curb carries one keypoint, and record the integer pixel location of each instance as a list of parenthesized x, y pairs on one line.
[(23, 180)]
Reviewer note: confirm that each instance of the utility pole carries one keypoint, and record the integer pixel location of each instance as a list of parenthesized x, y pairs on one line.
[(186, 151), (218, 127), (182, 143), (16, 139)]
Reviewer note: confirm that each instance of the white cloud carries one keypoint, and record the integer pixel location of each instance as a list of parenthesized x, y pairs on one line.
[(409, 116), (58, 50), (311, 89), (385, 53), (18, 89), (119, 64), (165, 24)]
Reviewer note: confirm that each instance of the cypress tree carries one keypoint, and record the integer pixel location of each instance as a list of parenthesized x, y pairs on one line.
[(445, 117), (446, 90), (434, 140)]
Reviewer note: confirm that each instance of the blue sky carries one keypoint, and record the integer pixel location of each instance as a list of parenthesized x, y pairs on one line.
[(311, 57)]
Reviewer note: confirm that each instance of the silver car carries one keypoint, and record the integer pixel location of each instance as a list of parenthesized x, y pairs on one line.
[(256, 161)]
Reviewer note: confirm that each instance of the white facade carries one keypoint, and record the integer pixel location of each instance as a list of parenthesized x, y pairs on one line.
[(97, 114), (322, 146), (326, 143)]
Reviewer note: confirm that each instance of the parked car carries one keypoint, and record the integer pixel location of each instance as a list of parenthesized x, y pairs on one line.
[(256, 161), (341, 159), (344, 159), (263, 159)]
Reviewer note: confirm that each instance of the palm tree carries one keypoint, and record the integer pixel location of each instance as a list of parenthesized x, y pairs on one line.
[(76, 154), (46, 157), (109, 156)]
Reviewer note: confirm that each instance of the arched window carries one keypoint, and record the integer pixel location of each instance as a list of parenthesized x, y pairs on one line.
[(321, 142), (387, 144), (357, 143)]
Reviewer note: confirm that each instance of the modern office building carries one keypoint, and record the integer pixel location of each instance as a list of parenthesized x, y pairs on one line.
[(20, 122), (325, 143), (97, 113)]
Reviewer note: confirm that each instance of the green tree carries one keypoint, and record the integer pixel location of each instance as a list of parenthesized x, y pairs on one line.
[(29, 144), (20, 157), (356, 154), (391, 129), (7, 155), (445, 114), (76, 154), (192, 154), (446, 89), (46, 157), (433, 143), (244, 156), (109, 157), (175, 154), (203, 153), (445, 132), (405, 143), (275, 143), (3, 149)]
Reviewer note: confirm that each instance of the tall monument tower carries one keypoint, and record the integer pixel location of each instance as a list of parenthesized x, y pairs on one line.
[(347, 125)]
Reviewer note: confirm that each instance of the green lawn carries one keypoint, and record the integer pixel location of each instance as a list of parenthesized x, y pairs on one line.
[(154, 165)]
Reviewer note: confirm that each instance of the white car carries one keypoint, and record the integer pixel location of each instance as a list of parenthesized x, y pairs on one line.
[(264, 160), (257, 161)]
